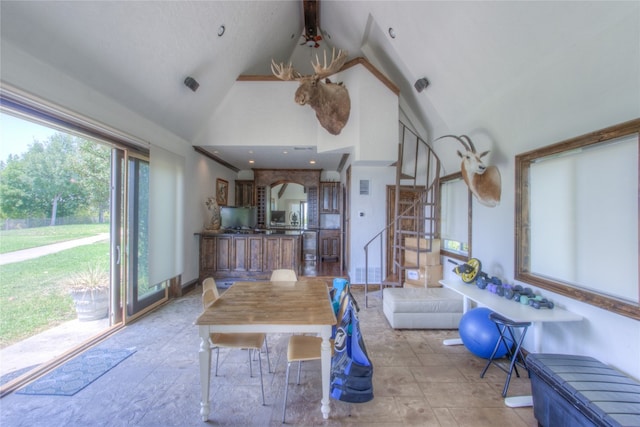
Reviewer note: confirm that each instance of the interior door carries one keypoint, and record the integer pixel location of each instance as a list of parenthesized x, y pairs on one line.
[(408, 195)]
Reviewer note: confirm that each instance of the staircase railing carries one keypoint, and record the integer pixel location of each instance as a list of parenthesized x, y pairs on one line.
[(422, 213), (379, 236)]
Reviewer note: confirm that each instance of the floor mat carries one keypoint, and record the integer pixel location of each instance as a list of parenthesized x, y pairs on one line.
[(76, 374)]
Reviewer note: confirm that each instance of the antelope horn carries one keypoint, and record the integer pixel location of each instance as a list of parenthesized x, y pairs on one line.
[(465, 137), (460, 140)]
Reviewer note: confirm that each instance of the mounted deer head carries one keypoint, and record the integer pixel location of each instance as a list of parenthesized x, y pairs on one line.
[(483, 181), (329, 100)]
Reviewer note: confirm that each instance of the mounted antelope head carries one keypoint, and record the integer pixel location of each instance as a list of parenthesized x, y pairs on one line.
[(483, 181), (329, 100)]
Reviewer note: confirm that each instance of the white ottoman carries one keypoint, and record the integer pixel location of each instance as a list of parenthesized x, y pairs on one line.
[(422, 308)]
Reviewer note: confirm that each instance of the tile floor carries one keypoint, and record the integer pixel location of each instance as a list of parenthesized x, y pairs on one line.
[(417, 381)]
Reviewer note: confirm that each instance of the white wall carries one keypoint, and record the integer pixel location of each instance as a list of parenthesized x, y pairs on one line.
[(31, 75), (374, 210), (595, 85), (276, 120)]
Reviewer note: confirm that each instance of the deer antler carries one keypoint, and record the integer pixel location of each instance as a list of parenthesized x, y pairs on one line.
[(322, 71), (284, 72)]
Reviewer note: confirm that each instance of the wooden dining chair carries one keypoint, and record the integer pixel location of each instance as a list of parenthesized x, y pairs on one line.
[(302, 348), (210, 283), (253, 342), (284, 275)]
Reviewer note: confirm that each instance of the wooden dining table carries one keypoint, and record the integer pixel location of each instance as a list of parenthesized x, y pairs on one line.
[(303, 306)]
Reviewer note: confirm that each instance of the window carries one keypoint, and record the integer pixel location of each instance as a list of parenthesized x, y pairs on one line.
[(455, 214), (577, 218)]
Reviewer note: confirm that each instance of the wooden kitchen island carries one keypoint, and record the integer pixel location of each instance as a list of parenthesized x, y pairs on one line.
[(250, 256)]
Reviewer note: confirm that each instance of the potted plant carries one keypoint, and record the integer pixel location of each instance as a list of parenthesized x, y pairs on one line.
[(90, 292)]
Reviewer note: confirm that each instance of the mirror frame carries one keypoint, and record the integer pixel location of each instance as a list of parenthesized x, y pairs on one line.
[(522, 230), (308, 178)]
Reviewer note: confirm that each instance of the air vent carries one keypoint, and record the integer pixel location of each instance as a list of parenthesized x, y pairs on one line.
[(375, 275), (364, 187)]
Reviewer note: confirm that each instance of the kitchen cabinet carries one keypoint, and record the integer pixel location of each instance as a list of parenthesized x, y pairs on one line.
[(329, 245), (329, 197), (312, 207), (248, 256), (281, 252), (246, 253), (245, 195)]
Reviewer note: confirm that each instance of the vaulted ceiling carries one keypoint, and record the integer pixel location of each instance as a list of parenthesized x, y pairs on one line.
[(139, 52)]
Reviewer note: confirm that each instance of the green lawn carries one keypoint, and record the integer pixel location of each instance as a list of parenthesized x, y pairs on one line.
[(32, 296), (15, 240)]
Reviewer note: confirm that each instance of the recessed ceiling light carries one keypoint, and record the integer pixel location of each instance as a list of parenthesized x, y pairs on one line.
[(221, 30), (252, 161), (392, 33), (285, 152), (313, 162)]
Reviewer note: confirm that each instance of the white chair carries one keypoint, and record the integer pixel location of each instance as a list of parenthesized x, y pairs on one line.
[(252, 342), (284, 275)]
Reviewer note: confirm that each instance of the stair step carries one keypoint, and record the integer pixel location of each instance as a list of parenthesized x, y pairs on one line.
[(414, 234), (391, 280)]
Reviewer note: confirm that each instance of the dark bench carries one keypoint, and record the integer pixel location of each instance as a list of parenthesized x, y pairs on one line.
[(581, 391)]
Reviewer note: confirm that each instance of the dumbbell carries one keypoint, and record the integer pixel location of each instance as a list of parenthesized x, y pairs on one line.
[(494, 285), (481, 281), (540, 303), (508, 290), (529, 299), (514, 292), (496, 280), (495, 288), (519, 294)]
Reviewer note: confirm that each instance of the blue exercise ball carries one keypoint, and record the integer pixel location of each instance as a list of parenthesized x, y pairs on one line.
[(479, 334)]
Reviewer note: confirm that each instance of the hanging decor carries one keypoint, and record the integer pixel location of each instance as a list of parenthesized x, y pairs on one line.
[(483, 181), (329, 100)]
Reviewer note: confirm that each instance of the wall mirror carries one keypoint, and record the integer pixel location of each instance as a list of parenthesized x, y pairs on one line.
[(308, 181), (577, 218), (455, 217), (288, 205)]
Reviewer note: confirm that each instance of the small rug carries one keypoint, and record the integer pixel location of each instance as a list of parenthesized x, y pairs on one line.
[(14, 374), (76, 374)]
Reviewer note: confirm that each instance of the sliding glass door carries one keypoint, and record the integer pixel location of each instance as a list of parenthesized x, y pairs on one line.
[(141, 293), (134, 293), (68, 188)]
